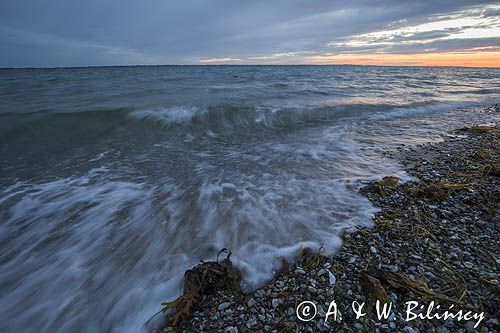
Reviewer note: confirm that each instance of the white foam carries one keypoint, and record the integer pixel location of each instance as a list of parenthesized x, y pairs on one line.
[(418, 110), (71, 271), (170, 115), (97, 254)]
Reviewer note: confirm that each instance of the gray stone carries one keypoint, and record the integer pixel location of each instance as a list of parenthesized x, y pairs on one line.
[(275, 302), (469, 327), (358, 326), (331, 278), (408, 329), (224, 306), (442, 329), (231, 329)]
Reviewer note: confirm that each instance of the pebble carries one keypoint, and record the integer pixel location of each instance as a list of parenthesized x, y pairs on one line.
[(223, 306), (358, 326), (300, 271), (469, 327), (251, 302), (260, 293), (442, 329), (408, 329), (331, 278)]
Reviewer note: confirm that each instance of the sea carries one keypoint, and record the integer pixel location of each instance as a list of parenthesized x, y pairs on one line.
[(116, 180)]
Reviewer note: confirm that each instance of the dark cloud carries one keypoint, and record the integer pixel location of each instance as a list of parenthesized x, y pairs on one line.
[(118, 32), (447, 45), (492, 13), (426, 35)]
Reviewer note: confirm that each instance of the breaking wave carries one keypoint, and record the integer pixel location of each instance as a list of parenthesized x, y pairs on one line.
[(205, 119)]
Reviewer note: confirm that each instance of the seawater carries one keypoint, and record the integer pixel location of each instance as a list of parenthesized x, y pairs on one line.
[(116, 180)]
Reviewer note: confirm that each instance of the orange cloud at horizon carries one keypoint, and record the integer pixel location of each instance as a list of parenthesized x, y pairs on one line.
[(218, 60), (466, 59)]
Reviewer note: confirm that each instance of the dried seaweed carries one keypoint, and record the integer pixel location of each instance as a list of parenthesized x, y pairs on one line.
[(373, 290), (479, 130), (384, 186), (436, 191), (203, 280), (400, 281)]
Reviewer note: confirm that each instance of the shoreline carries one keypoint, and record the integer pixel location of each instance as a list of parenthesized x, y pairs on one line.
[(434, 239)]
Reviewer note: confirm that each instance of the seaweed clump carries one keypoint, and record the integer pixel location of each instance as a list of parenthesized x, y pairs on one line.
[(383, 187), (436, 191), (480, 129), (203, 280)]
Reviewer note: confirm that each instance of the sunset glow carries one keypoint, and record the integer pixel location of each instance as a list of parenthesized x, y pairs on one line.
[(465, 38), (218, 60), (465, 59)]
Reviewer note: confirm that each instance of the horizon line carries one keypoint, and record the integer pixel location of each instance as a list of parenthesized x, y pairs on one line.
[(243, 65)]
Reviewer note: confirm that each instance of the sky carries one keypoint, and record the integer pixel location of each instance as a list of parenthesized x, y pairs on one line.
[(63, 33)]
